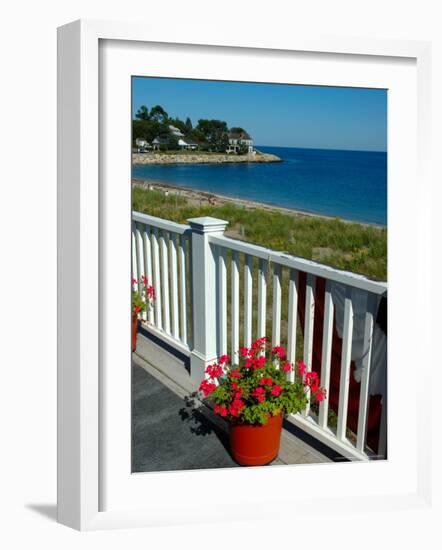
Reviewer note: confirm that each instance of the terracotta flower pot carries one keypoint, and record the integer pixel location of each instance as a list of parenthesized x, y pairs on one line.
[(134, 332), (256, 444)]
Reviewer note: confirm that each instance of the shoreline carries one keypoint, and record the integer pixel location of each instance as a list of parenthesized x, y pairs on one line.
[(202, 158), (196, 197)]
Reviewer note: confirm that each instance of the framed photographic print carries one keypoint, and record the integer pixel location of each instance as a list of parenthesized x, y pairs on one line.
[(224, 297)]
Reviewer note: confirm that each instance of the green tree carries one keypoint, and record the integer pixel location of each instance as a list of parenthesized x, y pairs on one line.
[(188, 124), (196, 135), (143, 113), (149, 130), (215, 133), (158, 114)]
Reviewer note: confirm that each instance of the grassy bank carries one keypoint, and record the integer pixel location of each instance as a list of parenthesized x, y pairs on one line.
[(350, 246)]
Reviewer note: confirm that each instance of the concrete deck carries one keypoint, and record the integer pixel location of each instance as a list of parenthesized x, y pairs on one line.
[(173, 430)]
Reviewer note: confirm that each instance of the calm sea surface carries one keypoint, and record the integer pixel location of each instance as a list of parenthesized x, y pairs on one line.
[(348, 184)]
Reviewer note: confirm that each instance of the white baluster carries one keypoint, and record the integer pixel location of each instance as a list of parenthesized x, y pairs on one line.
[(327, 341), (140, 258), (292, 320), (222, 299), (157, 278), (174, 284), (262, 298), (248, 266), (365, 377), (308, 328), (276, 310), (235, 307), (165, 282), (148, 267), (345, 366), (134, 255), (183, 288)]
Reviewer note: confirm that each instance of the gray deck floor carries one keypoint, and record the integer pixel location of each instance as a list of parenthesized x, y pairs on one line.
[(171, 430), (168, 433)]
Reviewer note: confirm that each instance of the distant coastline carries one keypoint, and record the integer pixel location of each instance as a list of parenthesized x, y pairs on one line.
[(201, 158)]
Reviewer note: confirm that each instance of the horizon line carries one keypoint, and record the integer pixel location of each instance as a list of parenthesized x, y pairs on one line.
[(323, 148)]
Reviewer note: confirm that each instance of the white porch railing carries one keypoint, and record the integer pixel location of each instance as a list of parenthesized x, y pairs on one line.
[(200, 303), (161, 251)]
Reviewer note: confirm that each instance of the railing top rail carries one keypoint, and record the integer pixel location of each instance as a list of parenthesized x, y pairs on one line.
[(161, 223), (301, 264)]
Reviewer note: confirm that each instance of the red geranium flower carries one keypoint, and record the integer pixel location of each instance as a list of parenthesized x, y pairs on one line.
[(320, 394), (224, 359), (258, 394), (220, 409), (286, 367), (235, 374), (258, 345), (260, 362), (276, 390), (279, 351), (302, 367), (312, 380), (236, 407), (207, 387), (214, 371)]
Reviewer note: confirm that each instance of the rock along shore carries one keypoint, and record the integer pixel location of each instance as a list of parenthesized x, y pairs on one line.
[(196, 158)]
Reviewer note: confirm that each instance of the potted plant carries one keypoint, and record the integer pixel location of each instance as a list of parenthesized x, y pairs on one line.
[(143, 295), (254, 396)]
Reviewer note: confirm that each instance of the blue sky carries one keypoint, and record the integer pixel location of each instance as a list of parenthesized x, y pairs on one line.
[(282, 115)]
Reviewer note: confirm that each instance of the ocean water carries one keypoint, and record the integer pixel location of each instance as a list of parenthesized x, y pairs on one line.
[(346, 184)]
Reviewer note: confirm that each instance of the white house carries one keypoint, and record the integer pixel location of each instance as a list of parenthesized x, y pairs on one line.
[(141, 144), (238, 139), (187, 144)]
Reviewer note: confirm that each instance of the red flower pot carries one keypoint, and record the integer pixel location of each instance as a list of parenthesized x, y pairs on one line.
[(134, 332), (256, 444)]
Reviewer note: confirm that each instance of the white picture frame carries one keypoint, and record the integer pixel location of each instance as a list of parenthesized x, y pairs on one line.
[(81, 396)]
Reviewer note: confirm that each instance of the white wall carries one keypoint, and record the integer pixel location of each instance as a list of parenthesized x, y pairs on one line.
[(28, 253)]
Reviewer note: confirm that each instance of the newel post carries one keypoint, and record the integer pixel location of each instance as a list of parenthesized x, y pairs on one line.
[(204, 294)]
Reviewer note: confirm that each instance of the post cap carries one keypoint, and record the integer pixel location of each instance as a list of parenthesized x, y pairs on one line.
[(207, 224)]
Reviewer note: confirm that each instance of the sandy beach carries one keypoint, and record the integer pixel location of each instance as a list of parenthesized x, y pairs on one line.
[(201, 198)]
